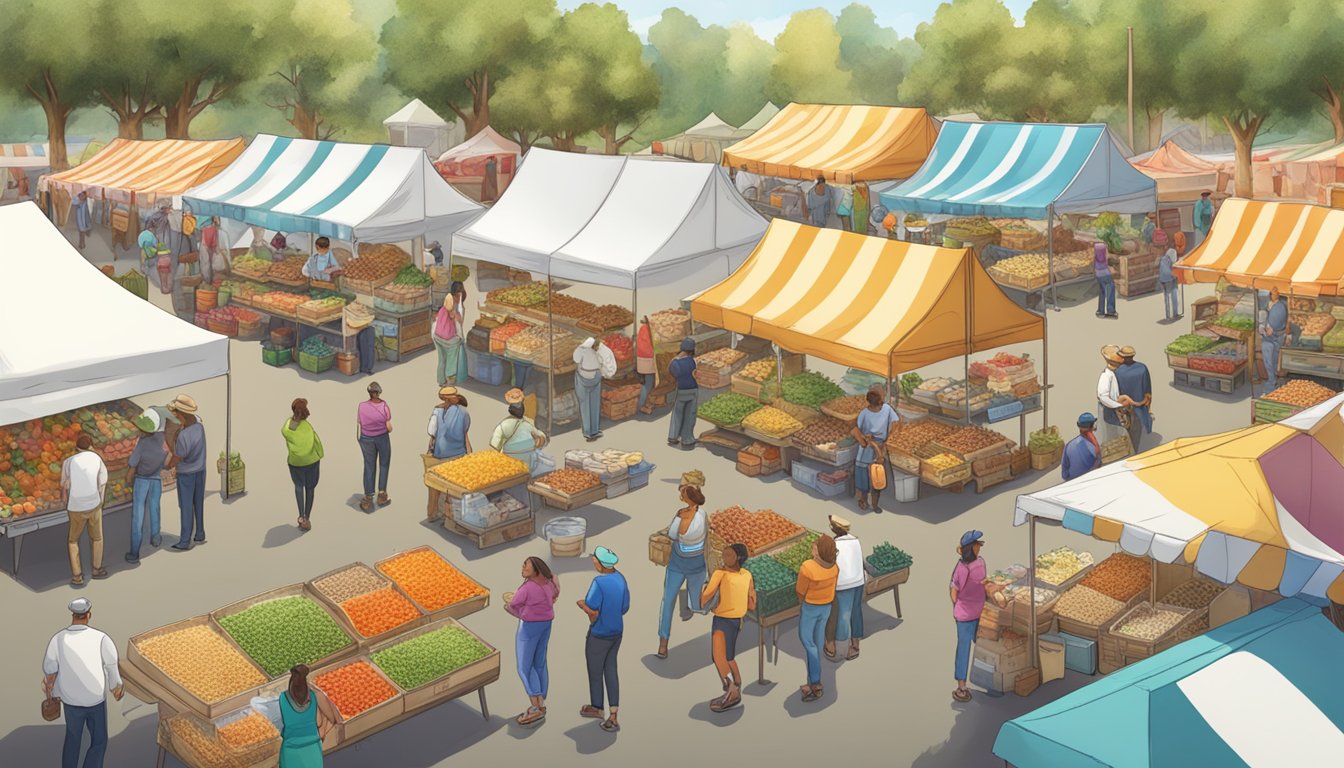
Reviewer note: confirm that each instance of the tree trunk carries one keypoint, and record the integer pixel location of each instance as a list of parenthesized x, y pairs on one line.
[(177, 119), (1154, 116), (1333, 108), (1244, 130), (131, 126), (479, 118), (57, 113), (563, 142), (304, 122)]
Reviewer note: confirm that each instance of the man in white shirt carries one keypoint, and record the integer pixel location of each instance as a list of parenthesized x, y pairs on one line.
[(83, 481), (1109, 399), (79, 668), (593, 362), (846, 622)]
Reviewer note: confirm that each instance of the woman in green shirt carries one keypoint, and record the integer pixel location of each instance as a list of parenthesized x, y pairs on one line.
[(305, 715), (305, 456)]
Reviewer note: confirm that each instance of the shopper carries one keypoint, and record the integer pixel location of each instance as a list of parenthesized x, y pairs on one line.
[(1136, 384), (146, 470), (322, 264), (534, 607), (188, 456), (685, 565), (681, 431), (871, 429), (593, 362), (83, 488), (1083, 453), (1111, 403), (366, 340), (305, 458), (846, 617), (79, 668), (436, 250), (517, 435), (449, 423), (1203, 217), (84, 220), (816, 592), (644, 364), (212, 256), (969, 588), (1273, 334), (732, 585), (817, 203), (1166, 282), (1101, 267), (448, 331), (149, 249), (306, 714), (607, 601), (374, 419)]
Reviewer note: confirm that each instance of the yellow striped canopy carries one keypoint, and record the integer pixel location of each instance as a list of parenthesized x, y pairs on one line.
[(1260, 245), (141, 171), (880, 305), (844, 143)]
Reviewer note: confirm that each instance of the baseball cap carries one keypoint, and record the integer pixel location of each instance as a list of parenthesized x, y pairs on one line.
[(1086, 419), (970, 537)]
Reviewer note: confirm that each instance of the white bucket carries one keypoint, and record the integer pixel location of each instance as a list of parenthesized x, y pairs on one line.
[(566, 535)]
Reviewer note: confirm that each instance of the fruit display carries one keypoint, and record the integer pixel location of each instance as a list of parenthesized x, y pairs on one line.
[(1087, 606), (1005, 576), (1018, 235), (1061, 564), (822, 432), (670, 324), (771, 421), (413, 276), (915, 221), (247, 732), (756, 530), (279, 633), (1028, 266), (317, 347), (1301, 393), (251, 265), (811, 389), (400, 293), (349, 582), (774, 583), (1147, 622), (196, 739), (609, 316), (758, 370), (430, 656), (280, 302), (970, 228), (562, 305), (326, 306), (1045, 440), (1302, 304), (1235, 321), (910, 382), (31, 454), (570, 481), (178, 655), (1190, 343), (376, 262), (719, 358), (848, 405), (945, 461), (887, 558), (1193, 594), (379, 611), (1120, 576), (354, 688), (480, 469), (728, 408), (502, 334), (621, 347), (909, 438), (1312, 323), (797, 553), (525, 295), (432, 582), (289, 269), (536, 338), (968, 440), (1022, 593), (954, 397)]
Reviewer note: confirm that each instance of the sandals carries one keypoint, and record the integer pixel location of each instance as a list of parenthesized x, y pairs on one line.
[(961, 694), (724, 703), (610, 726), (829, 654), (100, 573), (533, 717), (304, 525), (76, 581), (852, 655), (863, 504), (590, 711), (811, 693), (662, 653)]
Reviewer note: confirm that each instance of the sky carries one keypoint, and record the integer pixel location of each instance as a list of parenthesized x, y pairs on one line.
[(768, 17)]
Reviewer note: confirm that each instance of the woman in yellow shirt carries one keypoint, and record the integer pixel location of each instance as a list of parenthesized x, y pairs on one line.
[(737, 595), (816, 591)]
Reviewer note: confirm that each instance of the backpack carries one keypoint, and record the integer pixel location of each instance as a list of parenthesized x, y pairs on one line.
[(188, 224)]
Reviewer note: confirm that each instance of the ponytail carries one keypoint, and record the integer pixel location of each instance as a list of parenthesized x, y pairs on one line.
[(298, 685)]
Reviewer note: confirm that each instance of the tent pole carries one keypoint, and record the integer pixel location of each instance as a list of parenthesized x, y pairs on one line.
[(1045, 370), (550, 341), (1031, 576), (779, 369), (967, 257), (1050, 253), (228, 431)]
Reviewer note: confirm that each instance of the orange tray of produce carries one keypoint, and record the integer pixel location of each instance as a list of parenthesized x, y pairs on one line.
[(489, 466), (568, 489), (436, 587), (365, 699), (759, 531)]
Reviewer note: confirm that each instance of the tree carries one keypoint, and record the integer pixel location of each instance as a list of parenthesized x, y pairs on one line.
[(1159, 35), (320, 73), (125, 82), (57, 76), (1315, 28), (747, 60), (1045, 74), (963, 46), (808, 68), (874, 55), (454, 54), (690, 62)]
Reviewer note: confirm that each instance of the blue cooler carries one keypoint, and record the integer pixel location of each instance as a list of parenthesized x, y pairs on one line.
[(1080, 654)]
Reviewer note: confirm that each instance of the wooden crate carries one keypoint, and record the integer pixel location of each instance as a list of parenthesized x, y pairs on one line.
[(881, 582), (985, 482), (375, 717), (454, 683), (942, 478), (293, 590), (160, 679), (1272, 411), (1019, 460), (567, 502), (456, 610), (437, 482), (493, 537), (1127, 650), (1178, 361), (1045, 616), (1094, 631), (991, 465)]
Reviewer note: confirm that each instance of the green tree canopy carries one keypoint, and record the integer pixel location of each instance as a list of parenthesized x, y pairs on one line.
[(963, 47), (320, 80), (808, 68), (878, 57), (1045, 73)]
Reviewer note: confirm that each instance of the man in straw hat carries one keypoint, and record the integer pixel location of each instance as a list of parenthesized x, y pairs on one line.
[(188, 456), (84, 485), (846, 621), (79, 668), (517, 435), (146, 466), (1136, 384), (1110, 402)]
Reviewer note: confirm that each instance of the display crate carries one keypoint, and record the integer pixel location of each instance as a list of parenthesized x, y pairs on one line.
[(1116, 651), (206, 709), (457, 610), (942, 478), (316, 363), (1273, 411), (279, 593), (455, 681), (375, 717), (276, 356), (1093, 631)]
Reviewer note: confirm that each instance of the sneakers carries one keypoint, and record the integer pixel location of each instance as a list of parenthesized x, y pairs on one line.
[(383, 500), (132, 558), (366, 503)]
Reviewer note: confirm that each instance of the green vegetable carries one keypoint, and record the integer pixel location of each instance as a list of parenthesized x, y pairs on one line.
[(1190, 343), (807, 388), (411, 275), (316, 346), (775, 584), (1044, 441), (794, 557), (430, 656), (887, 558), (728, 408), (1235, 321), (910, 382), (280, 633)]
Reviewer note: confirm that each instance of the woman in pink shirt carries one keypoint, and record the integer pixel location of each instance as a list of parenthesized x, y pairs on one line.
[(969, 588), (534, 606), (448, 334), (375, 442)]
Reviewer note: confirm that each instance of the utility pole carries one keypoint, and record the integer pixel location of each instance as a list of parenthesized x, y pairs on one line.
[(1130, 32)]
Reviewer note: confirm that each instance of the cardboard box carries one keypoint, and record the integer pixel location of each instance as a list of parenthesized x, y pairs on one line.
[(1052, 659), (1008, 655)]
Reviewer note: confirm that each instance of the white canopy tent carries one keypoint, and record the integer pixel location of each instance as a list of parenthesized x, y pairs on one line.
[(416, 125)]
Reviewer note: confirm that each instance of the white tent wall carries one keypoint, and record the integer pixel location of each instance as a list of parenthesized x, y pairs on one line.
[(1106, 169)]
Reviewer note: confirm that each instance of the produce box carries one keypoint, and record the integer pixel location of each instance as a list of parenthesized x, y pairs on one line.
[(1019, 460), (759, 531), (1008, 654), (341, 584), (1084, 612), (436, 662), (316, 363), (1019, 596), (728, 409), (771, 423), (480, 472), (1269, 411), (944, 470), (1142, 631), (775, 585), (1061, 568), (435, 586), (200, 743), (364, 697), (286, 626), (170, 657)]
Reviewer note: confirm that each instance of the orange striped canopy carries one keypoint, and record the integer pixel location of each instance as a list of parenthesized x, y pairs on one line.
[(1294, 246), (844, 143), (880, 305), (141, 171)]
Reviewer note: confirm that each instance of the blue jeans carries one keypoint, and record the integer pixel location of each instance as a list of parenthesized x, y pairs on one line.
[(191, 499), (530, 648), (645, 388), (681, 569), (812, 632), (682, 427), (145, 493), (376, 449), (1105, 295), (1269, 351), (965, 639), (76, 720), (849, 614), (1170, 301), (589, 392)]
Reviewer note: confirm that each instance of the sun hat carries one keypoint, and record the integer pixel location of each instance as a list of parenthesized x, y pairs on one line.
[(1110, 352), (183, 404), (80, 606), (840, 522), (148, 422), (970, 537), (606, 557), (1086, 419), (447, 392), (514, 396), (1126, 351)]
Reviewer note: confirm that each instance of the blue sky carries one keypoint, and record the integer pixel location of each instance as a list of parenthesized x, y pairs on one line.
[(768, 17)]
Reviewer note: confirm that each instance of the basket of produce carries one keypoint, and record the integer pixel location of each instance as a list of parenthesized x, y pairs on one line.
[(972, 229), (845, 408), (1019, 235), (436, 587), (608, 317), (1179, 350), (171, 657), (315, 355), (1061, 568), (1027, 271), (728, 409), (1019, 599), (1083, 612), (500, 335), (363, 695), (321, 311), (275, 356), (886, 559), (771, 423), (670, 326), (251, 266), (283, 627), (282, 303), (1121, 576), (1194, 594), (522, 296), (436, 660), (401, 298), (247, 739), (1300, 394), (808, 388), (906, 440), (827, 439), (974, 443), (288, 272), (774, 583), (750, 379), (574, 487), (621, 348), (1046, 447), (1140, 632), (715, 369), (757, 531), (1222, 359), (1233, 325), (379, 614), (480, 472)]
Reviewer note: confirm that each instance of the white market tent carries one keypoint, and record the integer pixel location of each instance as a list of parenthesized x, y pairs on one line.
[(704, 141), (353, 192), (416, 125), (614, 221)]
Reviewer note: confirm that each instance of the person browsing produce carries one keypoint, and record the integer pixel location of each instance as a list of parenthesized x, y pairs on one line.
[(449, 423), (732, 585), (374, 431), (1135, 383), (146, 468), (644, 364), (681, 430), (188, 456), (593, 362), (322, 265), (1110, 402), (1083, 453), (969, 587), (305, 458), (447, 336), (517, 435), (607, 602), (816, 592), (534, 607), (306, 715), (686, 564), (1273, 334), (846, 618), (83, 489), (871, 430)]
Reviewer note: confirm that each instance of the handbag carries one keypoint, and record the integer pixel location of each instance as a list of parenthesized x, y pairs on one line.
[(877, 471), (51, 708)]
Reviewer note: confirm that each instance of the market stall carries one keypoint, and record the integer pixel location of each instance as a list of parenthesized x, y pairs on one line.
[(703, 142), (486, 497), (1253, 692), (591, 220), (383, 643), (1029, 171), (74, 375), (1182, 176), (419, 127), (466, 164), (882, 306)]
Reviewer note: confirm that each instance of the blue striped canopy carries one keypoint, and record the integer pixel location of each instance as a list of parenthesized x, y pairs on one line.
[(1021, 170), (1262, 690)]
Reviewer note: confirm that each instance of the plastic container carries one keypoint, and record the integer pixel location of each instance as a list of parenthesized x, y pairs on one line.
[(1080, 654), (567, 536), (903, 487), (639, 474), (486, 369), (316, 363), (805, 474), (276, 356), (829, 489)]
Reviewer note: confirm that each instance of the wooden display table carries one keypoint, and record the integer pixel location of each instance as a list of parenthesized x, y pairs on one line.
[(1212, 382)]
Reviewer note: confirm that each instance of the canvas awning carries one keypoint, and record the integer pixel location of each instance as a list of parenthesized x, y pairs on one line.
[(469, 157), (24, 156), (884, 306), (1012, 170), (116, 345), (1296, 246), (844, 143), (1180, 175), (367, 192), (416, 113), (141, 172), (1258, 691)]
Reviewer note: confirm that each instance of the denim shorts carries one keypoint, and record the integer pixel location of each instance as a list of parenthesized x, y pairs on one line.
[(729, 628)]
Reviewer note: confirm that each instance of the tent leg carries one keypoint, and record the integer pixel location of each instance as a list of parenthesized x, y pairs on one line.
[(1152, 583), (550, 371), (1031, 571), (1045, 368), (1050, 254), (228, 431)]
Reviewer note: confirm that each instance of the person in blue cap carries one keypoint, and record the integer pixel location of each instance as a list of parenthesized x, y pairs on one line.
[(607, 602), (682, 368), (969, 588), (1083, 453)]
